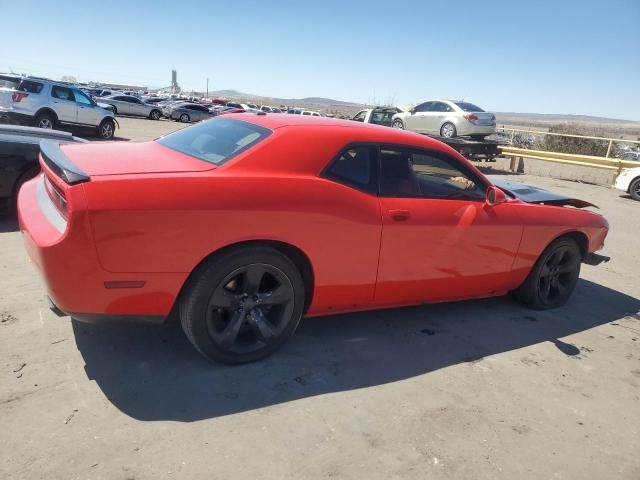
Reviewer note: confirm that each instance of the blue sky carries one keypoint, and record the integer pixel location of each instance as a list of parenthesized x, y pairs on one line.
[(578, 57)]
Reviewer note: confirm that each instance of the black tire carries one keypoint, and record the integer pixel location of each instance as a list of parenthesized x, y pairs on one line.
[(448, 130), (45, 120), (184, 118), (634, 189), (228, 318), (155, 114), (107, 129), (478, 138), (553, 277), (397, 123)]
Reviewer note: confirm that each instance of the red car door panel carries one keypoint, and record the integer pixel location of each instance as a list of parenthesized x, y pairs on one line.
[(440, 250)]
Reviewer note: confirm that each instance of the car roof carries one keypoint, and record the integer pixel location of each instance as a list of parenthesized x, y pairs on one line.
[(379, 133)]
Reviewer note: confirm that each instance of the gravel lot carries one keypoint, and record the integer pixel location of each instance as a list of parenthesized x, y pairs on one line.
[(481, 389)]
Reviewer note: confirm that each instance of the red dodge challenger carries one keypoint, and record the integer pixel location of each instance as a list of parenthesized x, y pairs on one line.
[(243, 224)]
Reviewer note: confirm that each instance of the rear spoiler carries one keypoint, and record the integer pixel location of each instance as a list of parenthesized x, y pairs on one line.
[(53, 156)]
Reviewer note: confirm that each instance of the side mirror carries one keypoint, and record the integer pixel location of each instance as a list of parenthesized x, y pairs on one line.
[(495, 196)]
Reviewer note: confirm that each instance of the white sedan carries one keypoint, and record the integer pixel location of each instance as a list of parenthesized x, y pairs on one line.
[(629, 181), (448, 119)]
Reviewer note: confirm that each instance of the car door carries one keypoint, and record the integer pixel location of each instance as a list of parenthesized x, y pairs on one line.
[(417, 120), (437, 116), (138, 107), (121, 102), (64, 103), (440, 240), (88, 113)]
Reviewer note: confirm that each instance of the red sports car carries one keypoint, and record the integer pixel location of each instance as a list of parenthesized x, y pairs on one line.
[(243, 224)]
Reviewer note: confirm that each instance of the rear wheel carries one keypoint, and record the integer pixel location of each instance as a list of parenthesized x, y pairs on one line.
[(155, 115), (242, 306), (184, 118), (553, 277), (448, 130), (45, 120), (107, 129), (634, 189)]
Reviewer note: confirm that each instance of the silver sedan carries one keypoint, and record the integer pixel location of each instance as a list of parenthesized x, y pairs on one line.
[(190, 112), (447, 118), (130, 105)]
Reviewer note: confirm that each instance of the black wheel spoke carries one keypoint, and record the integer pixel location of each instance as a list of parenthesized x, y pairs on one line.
[(263, 329), (229, 335), (556, 258), (545, 287), (222, 298), (253, 278), (277, 296)]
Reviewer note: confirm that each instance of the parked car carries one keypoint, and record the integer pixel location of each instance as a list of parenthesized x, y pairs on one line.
[(132, 105), (448, 119), (50, 104), (19, 150), (227, 110), (245, 223), (310, 113), (377, 116), (629, 182), (244, 106), (191, 112)]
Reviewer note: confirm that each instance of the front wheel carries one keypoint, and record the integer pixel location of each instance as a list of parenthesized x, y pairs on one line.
[(448, 130), (184, 118), (242, 306), (398, 124), (107, 129), (634, 189), (554, 276), (155, 115)]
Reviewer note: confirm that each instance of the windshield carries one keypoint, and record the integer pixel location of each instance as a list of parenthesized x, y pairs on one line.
[(469, 107), (217, 140)]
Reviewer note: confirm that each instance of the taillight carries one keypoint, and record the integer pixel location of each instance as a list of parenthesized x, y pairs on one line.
[(57, 196), (471, 117), (18, 96)]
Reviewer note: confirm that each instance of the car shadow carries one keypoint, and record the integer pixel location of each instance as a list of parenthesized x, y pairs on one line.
[(155, 374)]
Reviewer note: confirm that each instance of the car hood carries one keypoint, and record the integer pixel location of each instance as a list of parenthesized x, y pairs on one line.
[(122, 158), (531, 194)]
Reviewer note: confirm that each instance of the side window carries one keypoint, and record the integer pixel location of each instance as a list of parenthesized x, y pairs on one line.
[(81, 97), (355, 167), (360, 116), (135, 100), (30, 86), (63, 93), (441, 107), (424, 107), (429, 175)]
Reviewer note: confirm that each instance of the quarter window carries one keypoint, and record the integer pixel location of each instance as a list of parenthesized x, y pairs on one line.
[(355, 167), (429, 175)]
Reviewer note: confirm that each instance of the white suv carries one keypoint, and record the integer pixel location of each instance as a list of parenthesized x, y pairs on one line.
[(50, 104)]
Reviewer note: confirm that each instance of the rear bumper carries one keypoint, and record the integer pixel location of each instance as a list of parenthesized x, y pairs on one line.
[(468, 128), (97, 318), (76, 283)]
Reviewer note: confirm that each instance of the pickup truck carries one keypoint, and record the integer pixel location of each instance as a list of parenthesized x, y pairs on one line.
[(474, 150)]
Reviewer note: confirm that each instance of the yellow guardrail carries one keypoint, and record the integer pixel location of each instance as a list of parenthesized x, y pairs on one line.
[(569, 158), (605, 162)]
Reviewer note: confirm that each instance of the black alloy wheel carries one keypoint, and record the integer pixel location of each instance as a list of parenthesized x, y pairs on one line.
[(243, 304), (250, 308), (554, 276)]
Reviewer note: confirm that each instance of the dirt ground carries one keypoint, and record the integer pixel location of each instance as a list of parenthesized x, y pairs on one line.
[(474, 390)]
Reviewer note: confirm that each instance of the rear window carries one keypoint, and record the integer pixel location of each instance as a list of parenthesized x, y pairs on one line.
[(30, 86), (469, 107), (9, 81), (217, 140)]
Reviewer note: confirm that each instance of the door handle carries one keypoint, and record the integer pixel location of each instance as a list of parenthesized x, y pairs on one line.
[(400, 215)]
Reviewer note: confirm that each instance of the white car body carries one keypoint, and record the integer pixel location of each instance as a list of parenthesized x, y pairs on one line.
[(629, 178), (310, 113), (446, 118)]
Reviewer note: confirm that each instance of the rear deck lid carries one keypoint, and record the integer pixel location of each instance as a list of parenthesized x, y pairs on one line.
[(122, 158)]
